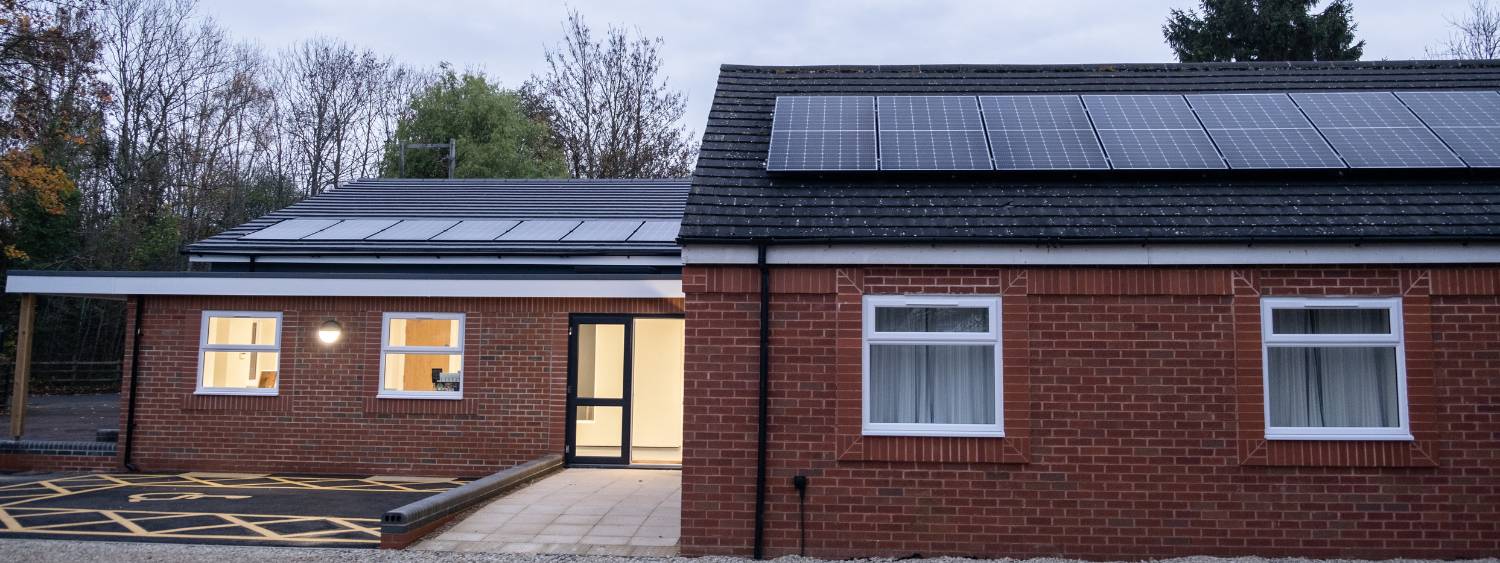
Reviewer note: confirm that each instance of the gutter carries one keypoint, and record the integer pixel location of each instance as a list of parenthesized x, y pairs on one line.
[(764, 400), (135, 372)]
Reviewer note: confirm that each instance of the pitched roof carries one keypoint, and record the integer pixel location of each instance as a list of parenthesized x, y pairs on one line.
[(734, 199), (468, 217)]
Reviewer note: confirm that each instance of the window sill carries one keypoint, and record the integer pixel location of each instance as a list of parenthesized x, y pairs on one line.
[(934, 433), (435, 396), (238, 392), (1353, 437)]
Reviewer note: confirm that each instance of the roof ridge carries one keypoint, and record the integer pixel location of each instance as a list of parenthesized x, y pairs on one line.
[(1129, 66)]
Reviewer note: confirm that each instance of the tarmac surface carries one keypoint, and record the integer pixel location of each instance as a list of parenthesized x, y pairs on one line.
[(48, 551), (212, 508)]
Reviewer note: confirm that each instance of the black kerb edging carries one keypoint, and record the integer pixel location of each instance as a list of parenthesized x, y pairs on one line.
[(424, 512), (54, 447)]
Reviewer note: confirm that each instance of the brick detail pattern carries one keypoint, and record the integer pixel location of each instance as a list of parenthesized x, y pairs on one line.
[(1135, 435), (1122, 281), (326, 418)]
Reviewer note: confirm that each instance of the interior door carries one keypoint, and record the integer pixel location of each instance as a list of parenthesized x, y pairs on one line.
[(599, 390)]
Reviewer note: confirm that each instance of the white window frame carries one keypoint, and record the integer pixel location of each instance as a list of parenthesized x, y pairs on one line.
[(990, 337), (387, 349), (204, 347), (1396, 338)]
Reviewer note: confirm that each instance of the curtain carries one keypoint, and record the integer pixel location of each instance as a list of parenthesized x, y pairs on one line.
[(932, 383), (1332, 386)]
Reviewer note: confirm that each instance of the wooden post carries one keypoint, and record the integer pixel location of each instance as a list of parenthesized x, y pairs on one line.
[(23, 365)]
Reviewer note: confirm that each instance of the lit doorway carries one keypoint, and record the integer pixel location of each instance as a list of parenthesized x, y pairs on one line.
[(625, 390)]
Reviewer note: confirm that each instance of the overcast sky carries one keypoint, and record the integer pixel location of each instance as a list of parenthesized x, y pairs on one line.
[(506, 38)]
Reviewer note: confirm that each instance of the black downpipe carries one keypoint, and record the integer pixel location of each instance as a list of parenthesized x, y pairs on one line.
[(764, 401), (135, 372)]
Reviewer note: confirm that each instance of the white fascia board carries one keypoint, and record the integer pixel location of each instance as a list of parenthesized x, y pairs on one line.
[(118, 286), (1100, 254), (624, 260)]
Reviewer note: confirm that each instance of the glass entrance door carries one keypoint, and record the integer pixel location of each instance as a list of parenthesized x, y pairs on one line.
[(599, 391)]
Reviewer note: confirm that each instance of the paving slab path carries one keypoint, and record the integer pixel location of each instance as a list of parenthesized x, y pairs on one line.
[(576, 511)]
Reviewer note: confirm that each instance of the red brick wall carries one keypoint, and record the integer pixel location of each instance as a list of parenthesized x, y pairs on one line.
[(1134, 442), (326, 418)]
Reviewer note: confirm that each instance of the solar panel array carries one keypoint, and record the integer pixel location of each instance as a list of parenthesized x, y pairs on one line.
[(471, 230), (1429, 129)]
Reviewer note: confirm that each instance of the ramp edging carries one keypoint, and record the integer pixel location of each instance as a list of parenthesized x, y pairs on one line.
[(405, 525)]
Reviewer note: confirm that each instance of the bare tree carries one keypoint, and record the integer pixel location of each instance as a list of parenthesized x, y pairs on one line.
[(338, 104), (610, 106), (1475, 35)]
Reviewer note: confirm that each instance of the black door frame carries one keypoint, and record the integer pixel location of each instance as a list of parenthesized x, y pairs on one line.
[(627, 320)]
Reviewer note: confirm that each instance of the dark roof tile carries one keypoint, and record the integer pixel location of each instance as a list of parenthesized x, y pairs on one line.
[(734, 199)]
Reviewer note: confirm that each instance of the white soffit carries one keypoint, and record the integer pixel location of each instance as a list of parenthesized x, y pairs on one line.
[(1099, 254), (101, 286)]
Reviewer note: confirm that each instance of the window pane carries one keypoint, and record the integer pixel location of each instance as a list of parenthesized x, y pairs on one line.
[(943, 384), (932, 319), (601, 434), (239, 370), (424, 332), (1331, 321), (423, 372), (601, 361), (1333, 387), (242, 331)]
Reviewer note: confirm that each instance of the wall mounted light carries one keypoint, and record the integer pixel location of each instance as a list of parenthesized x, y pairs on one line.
[(330, 331)]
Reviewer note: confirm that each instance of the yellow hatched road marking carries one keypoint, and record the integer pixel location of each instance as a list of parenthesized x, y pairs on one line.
[(251, 527), (9, 522), (199, 537), (132, 526)]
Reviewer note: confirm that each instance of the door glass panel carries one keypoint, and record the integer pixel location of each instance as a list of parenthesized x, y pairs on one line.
[(656, 397), (601, 361), (598, 433)]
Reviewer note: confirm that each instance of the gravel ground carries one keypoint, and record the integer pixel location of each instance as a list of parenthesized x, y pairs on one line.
[(21, 550)]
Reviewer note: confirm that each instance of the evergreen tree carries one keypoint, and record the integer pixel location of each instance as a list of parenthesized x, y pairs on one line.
[(496, 138), (1263, 30)]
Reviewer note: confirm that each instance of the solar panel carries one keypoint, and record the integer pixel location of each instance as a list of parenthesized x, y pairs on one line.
[(414, 229), (1160, 149), (1151, 131), (1375, 130), (822, 133), (821, 150), (476, 230), (1041, 133), (1468, 122), (1141, 111), (933, 150), (534, 230), (657, 231), (603, 231), (292, 229), (932, 133), (1262, 131), (352, 229)]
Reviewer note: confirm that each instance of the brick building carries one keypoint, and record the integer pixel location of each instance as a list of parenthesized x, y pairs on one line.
[(1135, 337), (1118, 311), (451, 311)]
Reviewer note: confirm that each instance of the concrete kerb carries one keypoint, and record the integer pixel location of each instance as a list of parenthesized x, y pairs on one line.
[(405, 525)]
